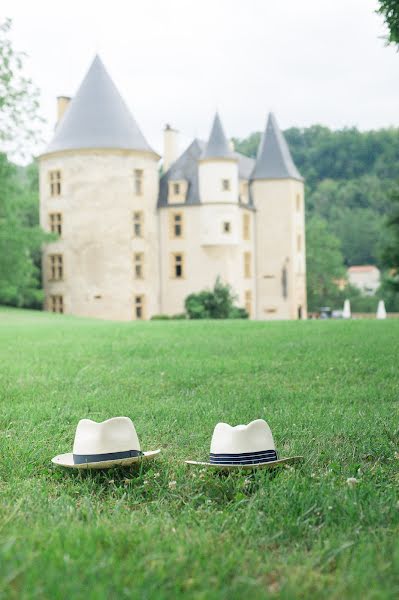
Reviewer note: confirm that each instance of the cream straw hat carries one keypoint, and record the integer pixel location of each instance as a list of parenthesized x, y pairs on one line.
[(243, 446), (103, 445)]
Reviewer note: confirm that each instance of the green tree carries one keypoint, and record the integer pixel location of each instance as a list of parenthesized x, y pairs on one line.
[(391, 250), (20, 235), (389, 9), (214, 304), (20, 239), (19, 98), (324, 264)]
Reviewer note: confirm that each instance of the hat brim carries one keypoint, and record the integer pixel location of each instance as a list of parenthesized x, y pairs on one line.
[(66, 460), (267, 465)]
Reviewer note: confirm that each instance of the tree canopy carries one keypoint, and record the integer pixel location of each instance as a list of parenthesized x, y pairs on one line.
[(20, 234), (19, 98), (389, 9)]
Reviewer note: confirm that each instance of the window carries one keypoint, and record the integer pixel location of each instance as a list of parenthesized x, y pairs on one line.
[(246, 224), (55, 183), (138, 182), (139, 265), (244, 189), (284, 282), (139, 307), (177, 225), (138, 224), (247, 264), (177, 191), (299, 242), (56, 267), (57, 304), (226, 227), (248, 302), (298, 202), (177, 266), (55, 223), (225, 185)]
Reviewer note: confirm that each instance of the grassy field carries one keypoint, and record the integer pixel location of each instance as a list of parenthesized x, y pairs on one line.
[(329, 391)]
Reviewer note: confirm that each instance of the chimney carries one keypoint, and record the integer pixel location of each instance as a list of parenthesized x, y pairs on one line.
[(62, 105), (170, 147)]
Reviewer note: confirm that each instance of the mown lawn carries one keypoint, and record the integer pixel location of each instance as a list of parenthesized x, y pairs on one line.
[(329, 391)]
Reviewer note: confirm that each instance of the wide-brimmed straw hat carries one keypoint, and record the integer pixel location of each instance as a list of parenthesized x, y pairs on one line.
[(103, 445), (244, 446)]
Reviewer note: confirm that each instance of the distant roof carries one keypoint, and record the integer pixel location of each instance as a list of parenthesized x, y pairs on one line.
[(362, 269), (274, 159), (218, 145), (97, 117), (186, 168)]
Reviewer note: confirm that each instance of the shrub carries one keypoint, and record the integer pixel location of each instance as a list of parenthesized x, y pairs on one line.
[(214, 304)]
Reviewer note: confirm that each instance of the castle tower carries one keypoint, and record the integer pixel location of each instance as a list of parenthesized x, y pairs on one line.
[(202, 223), (98, 193), (278, 194), (218, 168)]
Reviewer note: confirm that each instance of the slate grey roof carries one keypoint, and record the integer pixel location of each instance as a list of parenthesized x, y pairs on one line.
[(186, 167), (97, 117), (274, 159), (245, 165), (217, 146)]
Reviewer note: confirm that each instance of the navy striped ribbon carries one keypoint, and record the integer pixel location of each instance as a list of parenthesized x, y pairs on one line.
[(81, 459), (244, 458)]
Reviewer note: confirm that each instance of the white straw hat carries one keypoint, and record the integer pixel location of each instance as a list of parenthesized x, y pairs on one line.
[(243, 446), (104, 445)]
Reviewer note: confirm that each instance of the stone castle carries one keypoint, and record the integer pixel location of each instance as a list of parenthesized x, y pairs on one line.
[(132, 244)]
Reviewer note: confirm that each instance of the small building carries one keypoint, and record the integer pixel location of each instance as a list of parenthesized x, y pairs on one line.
[(365, 277)]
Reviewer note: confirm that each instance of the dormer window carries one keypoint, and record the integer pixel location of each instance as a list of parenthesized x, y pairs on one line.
[(177, 191), (226, 185)]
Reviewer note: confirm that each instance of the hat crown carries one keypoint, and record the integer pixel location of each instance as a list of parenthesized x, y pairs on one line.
[(254, 437), (114, 435)]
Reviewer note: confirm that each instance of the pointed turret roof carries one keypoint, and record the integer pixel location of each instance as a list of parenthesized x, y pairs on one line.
[(218, 145), (186, 168), (274, 160), (98, 117)]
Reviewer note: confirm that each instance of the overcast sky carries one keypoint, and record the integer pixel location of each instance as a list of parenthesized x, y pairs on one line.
[(177, 61)]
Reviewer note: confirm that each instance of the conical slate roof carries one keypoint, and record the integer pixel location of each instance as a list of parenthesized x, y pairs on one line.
[(274, 160), (98, 117), (217, 146)]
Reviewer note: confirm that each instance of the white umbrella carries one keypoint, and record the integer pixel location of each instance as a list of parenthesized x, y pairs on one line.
[(381, 312), (346, 313)]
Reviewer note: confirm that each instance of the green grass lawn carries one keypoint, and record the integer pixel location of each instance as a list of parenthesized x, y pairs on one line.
[(329, 391)]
